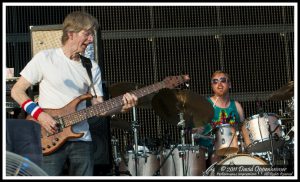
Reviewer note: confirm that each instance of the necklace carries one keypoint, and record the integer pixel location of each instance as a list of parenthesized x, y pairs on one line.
[(222, 104)]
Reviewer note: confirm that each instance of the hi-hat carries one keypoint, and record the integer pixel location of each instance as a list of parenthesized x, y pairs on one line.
[(124, 87), (196, 109), (284, 93), (119, 123)]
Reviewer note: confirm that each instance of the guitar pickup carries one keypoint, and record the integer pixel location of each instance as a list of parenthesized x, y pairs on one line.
[(60, 124)]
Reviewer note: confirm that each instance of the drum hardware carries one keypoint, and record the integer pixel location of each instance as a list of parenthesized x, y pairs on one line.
[(289, 134), (117, 158), (193, 109), (271, 138), (134, 126), (157, 172), (235, 160), (181, 124), (197, 135), (223, 142), (210, 169), (276, 138), (283, 153), (226, 140), (139, 162), (182, 149), (241, 142), (270, 156), (258, 130)]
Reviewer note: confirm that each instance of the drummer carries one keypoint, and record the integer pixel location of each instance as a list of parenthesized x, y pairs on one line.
[(226, 111)]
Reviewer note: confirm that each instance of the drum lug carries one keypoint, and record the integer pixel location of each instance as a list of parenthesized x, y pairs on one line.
[(247, 125), (222, 131), (251, 137), (206, 155), (223, 141)]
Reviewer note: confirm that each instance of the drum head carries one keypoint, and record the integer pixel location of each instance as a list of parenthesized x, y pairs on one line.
[(242, 159)]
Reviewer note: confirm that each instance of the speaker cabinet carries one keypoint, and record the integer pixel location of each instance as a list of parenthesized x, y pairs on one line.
[(49, 36)]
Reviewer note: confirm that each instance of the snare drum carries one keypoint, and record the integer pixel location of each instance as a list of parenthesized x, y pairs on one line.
[(226, 140), (256, 135)]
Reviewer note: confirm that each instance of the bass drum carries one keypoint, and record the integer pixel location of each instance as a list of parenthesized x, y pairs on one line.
[(239, 159)]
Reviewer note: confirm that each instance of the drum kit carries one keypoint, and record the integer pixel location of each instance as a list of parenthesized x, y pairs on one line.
[(262, 139)]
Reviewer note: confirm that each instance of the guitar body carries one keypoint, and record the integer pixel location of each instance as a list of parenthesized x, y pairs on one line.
[(51, 143)]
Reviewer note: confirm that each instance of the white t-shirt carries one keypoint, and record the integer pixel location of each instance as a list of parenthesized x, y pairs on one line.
[(61, 80)]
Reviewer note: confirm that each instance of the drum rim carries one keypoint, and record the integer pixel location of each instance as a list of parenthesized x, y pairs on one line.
[(223, 125), (257, 116), (248, 155), (211, 168)]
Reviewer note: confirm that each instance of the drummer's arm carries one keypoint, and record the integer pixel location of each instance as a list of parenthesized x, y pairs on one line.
[(240, 111)]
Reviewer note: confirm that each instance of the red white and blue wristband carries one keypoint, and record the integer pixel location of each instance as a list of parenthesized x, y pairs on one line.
[(32, 108)]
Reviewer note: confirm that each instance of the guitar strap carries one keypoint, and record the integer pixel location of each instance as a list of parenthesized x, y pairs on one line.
[(86, 62)]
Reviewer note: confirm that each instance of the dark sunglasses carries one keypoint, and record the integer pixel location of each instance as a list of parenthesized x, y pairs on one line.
[(222, 80)]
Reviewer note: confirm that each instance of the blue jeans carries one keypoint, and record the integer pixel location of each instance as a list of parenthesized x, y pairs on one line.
[(80, 155), (23, 137)]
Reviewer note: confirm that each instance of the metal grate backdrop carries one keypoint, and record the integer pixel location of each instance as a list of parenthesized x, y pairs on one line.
[(145, 44)]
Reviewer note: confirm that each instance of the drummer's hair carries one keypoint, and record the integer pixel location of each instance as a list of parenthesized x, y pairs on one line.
[(221, 72)]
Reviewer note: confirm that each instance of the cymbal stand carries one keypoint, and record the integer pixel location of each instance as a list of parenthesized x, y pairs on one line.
[(182, 151), (134, 126)]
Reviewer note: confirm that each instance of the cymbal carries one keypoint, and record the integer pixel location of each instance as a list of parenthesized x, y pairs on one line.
[(119, 123), (284, 93), (196, 109), (124, 87), (287, 120)]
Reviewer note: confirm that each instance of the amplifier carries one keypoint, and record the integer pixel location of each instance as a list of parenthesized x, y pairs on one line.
[(12, 105)]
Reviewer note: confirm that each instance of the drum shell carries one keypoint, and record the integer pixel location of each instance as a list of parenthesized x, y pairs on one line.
[(147, 164), (195, 162), (226, 140), (256, 135)]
